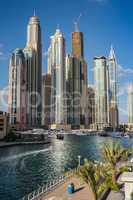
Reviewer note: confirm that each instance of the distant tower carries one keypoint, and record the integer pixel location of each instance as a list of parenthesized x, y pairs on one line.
[(101, 92), (46, 97), (73, 91), (112, 65), (49, 70), (34, 47), (57, 70), (77, 43), (91, 105), (130, 106), (78, 53), (17, 90)]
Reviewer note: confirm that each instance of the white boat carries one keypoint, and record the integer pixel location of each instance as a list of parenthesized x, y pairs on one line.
[(116, 135), (126, 136)]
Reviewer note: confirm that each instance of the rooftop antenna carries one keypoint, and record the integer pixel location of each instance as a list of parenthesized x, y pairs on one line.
[(58, 26), (76, 23), (34, 12)]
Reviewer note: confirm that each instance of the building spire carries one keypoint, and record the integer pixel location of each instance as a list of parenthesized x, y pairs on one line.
[(112, 53), (34, 13), (58, 26), (76, 26), (76, 23)]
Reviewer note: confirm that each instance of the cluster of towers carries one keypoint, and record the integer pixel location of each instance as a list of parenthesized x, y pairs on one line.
[(68, 77), (105, 83), (61, 97)]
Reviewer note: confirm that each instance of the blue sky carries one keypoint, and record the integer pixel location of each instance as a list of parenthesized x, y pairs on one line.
[(104, 22)]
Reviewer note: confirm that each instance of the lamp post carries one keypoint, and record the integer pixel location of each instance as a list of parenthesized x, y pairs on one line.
[(131, 164), (79, 160)]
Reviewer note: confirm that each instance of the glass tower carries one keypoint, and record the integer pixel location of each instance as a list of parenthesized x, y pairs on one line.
[(17, 90), (33, 52), (101, 92), (130, 106), (57, 68), (112, 65)]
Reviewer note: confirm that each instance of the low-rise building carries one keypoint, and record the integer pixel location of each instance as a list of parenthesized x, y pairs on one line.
[(4, 124)]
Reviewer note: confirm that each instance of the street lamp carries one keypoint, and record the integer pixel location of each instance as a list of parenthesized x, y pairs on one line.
[(79, 160), (131, 164)]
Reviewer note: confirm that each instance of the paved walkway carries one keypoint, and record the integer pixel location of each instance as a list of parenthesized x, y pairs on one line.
[(82, 192), (115, 196)]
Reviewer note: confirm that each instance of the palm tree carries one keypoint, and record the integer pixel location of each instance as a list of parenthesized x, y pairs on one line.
[(113, 156), (92, 175)]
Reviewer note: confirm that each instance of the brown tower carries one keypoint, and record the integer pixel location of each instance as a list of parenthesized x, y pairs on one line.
[(77, 45)]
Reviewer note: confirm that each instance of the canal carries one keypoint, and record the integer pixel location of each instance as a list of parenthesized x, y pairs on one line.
[(24, 168)]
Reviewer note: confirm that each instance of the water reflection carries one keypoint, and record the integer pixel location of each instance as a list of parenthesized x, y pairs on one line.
[(23, 168)]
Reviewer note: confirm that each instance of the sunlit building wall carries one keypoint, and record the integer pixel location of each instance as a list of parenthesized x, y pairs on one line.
[(113, 89), (33, 52), (130, 107), (17, 90), (101, 92), (58, 90)]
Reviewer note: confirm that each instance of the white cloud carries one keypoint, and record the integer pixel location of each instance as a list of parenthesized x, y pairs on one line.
[(4, 99), (124, 71), (1, 53), (45, 54)]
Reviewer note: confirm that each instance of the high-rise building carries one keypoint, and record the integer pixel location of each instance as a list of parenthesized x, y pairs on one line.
[(49, 61), (17, 90), (77, 44), (101, 92), (84, 93), (112, 65), (73, 91), (25, 80), (29, 55), (78, 53), (58, 101), (33, 52), (130, 106), (91, 105), (46, 97)]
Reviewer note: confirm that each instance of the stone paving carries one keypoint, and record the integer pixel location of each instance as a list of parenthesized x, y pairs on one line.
[(82, 192), (115, 196)]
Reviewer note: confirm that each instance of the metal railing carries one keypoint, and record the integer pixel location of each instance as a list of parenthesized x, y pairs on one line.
[(49, 187)]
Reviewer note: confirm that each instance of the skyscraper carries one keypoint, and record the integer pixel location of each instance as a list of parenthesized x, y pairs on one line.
[(58, 103), (91, 105), (78, 53), (17, 90), (77, 44), (130, 106), (46, 97), (101, 92), (34, 71), (25, 80), (73, 91), (49, 61), (112, 65)]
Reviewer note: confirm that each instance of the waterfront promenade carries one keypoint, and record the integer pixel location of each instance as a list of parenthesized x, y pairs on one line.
[(82, 192)]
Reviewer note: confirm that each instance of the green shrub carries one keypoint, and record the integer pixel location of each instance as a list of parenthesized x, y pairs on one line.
[(132, 196)]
